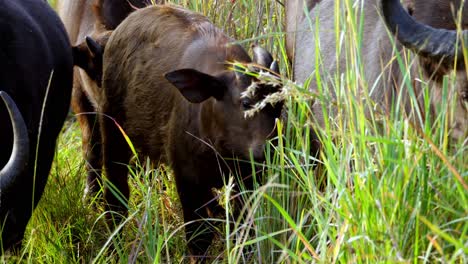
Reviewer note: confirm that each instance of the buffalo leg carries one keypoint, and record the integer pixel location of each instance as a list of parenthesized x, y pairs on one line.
[(91, 138), (196, 203), (116, 156)]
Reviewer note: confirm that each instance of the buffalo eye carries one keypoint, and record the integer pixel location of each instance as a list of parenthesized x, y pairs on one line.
[(246, 104)]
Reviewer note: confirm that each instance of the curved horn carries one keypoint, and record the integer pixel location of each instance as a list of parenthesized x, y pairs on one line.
[(20, 153), (263, 57), (424, 40), (274, 67)]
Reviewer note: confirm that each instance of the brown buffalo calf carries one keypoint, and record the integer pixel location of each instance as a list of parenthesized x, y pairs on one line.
[(167, 83)]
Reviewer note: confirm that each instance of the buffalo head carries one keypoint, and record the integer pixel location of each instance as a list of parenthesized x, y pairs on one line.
[(441, 51), (230, 126)]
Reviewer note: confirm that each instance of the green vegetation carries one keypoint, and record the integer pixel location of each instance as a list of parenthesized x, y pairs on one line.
[(383, 191)]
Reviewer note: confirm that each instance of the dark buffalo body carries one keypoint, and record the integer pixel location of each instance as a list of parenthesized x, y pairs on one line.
[(34, 50)]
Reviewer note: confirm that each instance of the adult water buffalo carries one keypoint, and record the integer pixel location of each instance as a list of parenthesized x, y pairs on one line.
[(96, 19), (36, 70), (438, 51)]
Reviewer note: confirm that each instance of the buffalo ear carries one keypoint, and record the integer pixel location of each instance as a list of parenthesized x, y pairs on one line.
[(95, 49), (81, 56), (88, 56), (86, 52), (196, 86)]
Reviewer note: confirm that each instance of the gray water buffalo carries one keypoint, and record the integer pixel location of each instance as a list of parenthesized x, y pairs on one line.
[(167, 82), (94, 19), (433, 39), (36, 70)]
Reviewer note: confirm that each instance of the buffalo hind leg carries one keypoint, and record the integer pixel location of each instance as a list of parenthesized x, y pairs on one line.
[(91, 139), (116, 156)]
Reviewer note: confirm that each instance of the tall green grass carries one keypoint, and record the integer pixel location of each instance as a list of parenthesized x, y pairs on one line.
[(382, 191)]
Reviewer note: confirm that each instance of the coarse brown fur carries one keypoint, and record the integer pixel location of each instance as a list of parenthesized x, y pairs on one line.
[(166, 82), (439, 13)]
